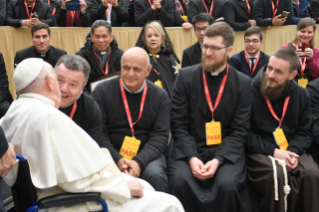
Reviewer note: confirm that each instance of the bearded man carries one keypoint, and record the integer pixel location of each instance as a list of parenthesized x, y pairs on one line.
[(278, 166), (211, 105)]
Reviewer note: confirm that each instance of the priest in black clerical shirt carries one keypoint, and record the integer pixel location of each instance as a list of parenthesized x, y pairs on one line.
[(211, 105), (134, 111), (73, 72), (41, 38)]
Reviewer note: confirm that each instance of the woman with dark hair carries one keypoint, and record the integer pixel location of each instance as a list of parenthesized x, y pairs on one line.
[(155, 41), (303, 44)]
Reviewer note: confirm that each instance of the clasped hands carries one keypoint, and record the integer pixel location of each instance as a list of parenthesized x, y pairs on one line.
[(130, 167), (289, 157), (203, 171), (30, 22), (308, 53), (114, 3)]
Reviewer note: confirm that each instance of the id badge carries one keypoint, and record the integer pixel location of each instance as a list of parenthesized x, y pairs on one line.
[(158, 83), (185, 18), (280, 139), (303, 82), (130, 147), (213, 133)]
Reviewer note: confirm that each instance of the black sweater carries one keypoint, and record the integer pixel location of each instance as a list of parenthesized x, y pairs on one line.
[(152, 129), (296, 123)]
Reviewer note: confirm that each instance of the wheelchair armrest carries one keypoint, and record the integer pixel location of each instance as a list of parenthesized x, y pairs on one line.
[(65, 199)]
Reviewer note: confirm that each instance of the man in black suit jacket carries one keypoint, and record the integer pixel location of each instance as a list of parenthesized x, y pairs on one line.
[(41, 38), (192, 55), (211, 7), (27, 13), (251, 59)]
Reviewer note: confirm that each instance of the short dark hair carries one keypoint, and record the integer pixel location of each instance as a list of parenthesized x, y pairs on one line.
[(39, 26), (203, 17), (254, 30), (221, 29), (76, 63), (289, 55), (100, 23)]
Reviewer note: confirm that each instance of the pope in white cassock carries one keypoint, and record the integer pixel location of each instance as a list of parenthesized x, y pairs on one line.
[(63, 157)]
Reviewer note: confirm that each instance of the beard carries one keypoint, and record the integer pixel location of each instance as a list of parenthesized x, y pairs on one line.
[(273, 93), (213, 67)]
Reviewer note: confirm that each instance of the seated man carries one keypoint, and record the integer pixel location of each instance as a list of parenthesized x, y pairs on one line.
[(73, 73), (251, 59), (55, 7), (27, 13), (212, 7), (207, 172), (101, 51), (300, 9), (268, 12), (62, 156), (280, 135), (137, 100), (113, 11), (80, 18), (41, 38), (192, 55)]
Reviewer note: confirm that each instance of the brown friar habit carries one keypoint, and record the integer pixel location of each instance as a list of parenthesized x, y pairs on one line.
[(304, 179), (227, 190)]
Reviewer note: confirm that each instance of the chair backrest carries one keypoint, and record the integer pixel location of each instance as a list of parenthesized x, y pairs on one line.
[(23, 191)]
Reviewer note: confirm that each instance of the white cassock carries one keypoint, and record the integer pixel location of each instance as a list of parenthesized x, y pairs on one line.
[(64, 158)]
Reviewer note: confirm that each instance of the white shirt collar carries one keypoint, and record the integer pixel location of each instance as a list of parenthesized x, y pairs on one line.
[(39, 97), (138, 91), (217, 73)]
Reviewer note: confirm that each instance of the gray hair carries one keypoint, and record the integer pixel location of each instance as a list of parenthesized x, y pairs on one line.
[(76, 63)]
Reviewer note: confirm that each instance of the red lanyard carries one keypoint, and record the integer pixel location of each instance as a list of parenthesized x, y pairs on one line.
[(181, 6), (252, 69), (72, 13), (157, 73), (248, 6), (107, 11), (302, 63), (211, 7), (73, 110), (220, 91), (107, 62), (149, 1), (49, 3), (127, 108), (273, 8), (27, 9), (283, 110)]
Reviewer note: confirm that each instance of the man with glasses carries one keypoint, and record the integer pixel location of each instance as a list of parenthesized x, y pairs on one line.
[(211, 104), (250, 60), (192, 55)]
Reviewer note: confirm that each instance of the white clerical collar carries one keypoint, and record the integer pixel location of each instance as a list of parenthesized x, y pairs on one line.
[(138, 91), (42, 98), (217, 73)]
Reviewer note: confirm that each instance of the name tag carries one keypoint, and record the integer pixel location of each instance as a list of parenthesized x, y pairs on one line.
[(280, 139), (130, 147), (213, 133), (159, 83), (303, 82)]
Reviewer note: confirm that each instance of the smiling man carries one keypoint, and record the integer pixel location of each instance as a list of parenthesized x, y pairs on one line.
[(136, 111), (101, 51), (281, 129), (251, 59), (73, 72), (41, 38)]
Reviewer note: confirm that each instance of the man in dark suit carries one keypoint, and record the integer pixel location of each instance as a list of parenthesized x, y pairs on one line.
[(192, 55), (28, 13), (250, 60), (41, 38)]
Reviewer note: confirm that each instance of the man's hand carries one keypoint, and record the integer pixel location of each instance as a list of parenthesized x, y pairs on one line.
[(83, 6), (289, 157), (220, 19), (136, 188), (196, 166), (135, 169), (124, 164), (294, 158), (209, 170), (156, 4), (187, 26), (252, 22), (105, 2), (63, 7), (114, 3), (7, 161), (277, 21), (35, 20), (26, 23)]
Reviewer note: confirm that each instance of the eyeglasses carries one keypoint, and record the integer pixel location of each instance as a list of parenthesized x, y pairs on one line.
[(255, 41), (198, 30), (212, 48)]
